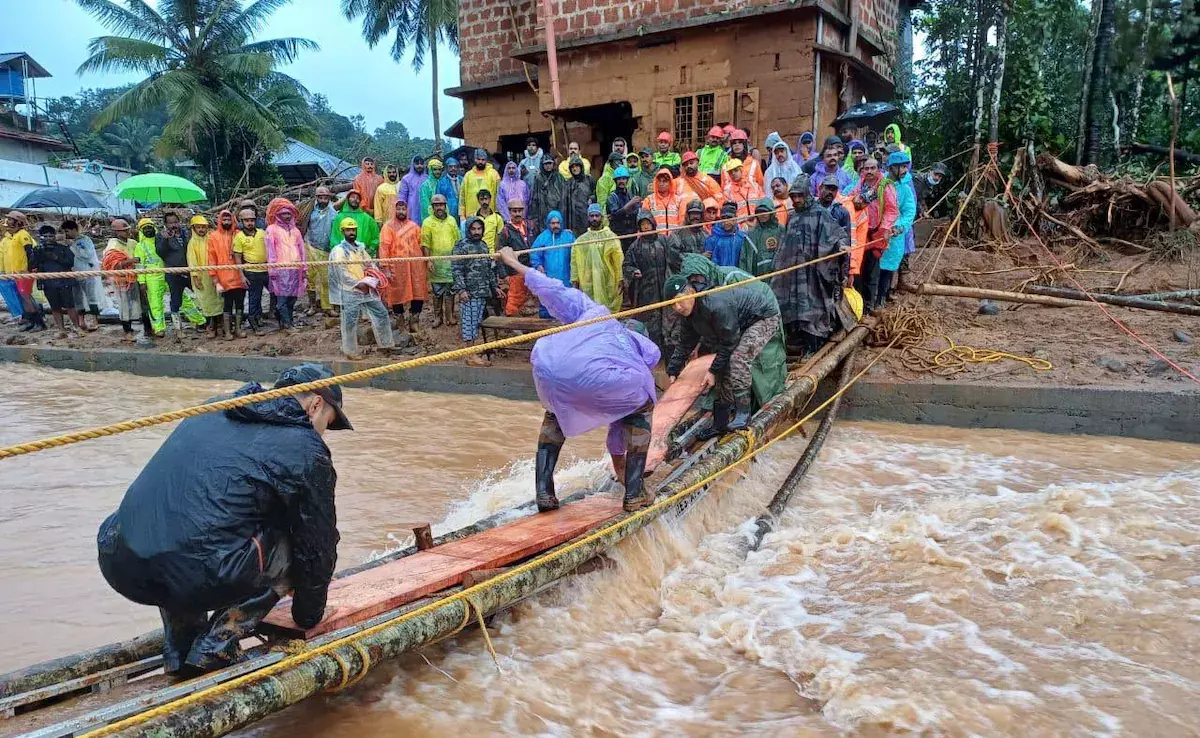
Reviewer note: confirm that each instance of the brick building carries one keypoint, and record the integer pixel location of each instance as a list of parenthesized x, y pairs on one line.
[(638, 67)]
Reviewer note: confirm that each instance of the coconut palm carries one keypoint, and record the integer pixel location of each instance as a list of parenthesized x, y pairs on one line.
[(423, 24), (220, 87), (131, 139)]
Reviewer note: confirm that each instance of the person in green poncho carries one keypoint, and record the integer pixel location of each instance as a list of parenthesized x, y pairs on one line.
[(768, 371), (368, 229), (154, 286), (605, 185), (766, 235)]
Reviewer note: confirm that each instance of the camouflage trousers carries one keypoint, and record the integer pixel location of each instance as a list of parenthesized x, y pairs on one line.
[(630, 434), (737, 380)]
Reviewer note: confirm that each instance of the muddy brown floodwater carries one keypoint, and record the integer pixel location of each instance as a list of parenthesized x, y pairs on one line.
[(925, 579)]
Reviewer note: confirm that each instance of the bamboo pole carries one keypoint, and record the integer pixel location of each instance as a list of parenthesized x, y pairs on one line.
[(1131, 301), (1050, 297)]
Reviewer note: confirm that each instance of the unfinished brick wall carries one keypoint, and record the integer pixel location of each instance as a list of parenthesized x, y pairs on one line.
[(487, 33), (490, 114)]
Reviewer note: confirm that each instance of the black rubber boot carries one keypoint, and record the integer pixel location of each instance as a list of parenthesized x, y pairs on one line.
[(547, 459), (636, 495), (741, 407), (720, 422), (218, 647)]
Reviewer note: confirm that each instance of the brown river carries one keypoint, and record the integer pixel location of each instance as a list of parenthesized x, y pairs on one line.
[(925, 580)]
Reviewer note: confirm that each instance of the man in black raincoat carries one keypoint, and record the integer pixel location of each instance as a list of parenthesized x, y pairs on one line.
[(579, 191), (808, 297), (234, 510), (545, 194), (651, 258), (691, 240)]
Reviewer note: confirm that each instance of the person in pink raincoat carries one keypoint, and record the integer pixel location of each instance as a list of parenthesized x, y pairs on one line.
[(285, 244)]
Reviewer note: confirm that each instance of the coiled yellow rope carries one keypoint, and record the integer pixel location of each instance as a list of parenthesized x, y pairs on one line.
[(363, 374), (465, 596)]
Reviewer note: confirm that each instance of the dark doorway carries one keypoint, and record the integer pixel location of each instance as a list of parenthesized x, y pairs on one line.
[(512, 148), (608, 121)]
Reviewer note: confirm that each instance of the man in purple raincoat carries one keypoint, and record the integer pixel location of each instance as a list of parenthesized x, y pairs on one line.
[(512, 188), (588, 377), (410, 189)]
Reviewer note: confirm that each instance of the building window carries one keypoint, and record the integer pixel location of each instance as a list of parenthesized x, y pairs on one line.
[(694, 115)]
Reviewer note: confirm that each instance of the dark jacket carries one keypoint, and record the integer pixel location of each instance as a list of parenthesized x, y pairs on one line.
[(172, 249), (476, 277), (56, 257), (197, 525), (513, 239), (719, 319), (621, 219)]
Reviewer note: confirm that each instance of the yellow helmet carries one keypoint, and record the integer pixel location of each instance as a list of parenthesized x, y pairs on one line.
[(144, 222), (855, 301), (348, 223), (198, 220)]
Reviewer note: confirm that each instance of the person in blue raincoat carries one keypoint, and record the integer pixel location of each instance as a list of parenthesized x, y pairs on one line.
[(588, 377), (906, 199), (553, 262)]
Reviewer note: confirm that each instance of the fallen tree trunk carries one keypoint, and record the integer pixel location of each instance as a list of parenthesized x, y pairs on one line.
[(1141, 303), (1181, 155)]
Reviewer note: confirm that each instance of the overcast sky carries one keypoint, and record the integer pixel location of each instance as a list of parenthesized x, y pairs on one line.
[(357, 80)]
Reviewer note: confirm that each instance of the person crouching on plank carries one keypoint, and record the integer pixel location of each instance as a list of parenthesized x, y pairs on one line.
[(587, 377)]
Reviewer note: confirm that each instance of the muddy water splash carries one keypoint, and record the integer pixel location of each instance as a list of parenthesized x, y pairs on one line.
[(924, 580)]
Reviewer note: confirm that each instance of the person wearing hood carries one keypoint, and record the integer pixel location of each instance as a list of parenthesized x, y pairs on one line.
[(153, 286), (596, 260), (208, 300), (573, 151), (355, 283), (766, 235), (652, 257), (230, 283), (586, 378), (233, 511), (410, 190), (89, 292), (830, 165), (606, 184), (438, 183), (475, 284), (554, 260), (742, 326), (532, 161), (928, 187), (386, 194), (664, 157), (52, 255), (831, 142), (368, 229), (712, 154), (712, 213), (693, 182), (482, 176), (808, 297), (691, 236), (546, 194), (663, 204), (622, 205), (857, 151), (739, 149), (439, 236), (365, 183), (782, 164), (641, 178), (316, 249), (853, 219), (891, 137), (285, 245), (454, 172), (579, 191), (805, 150), (119, 255), (740, 188), (728, 243), (906, 204), (512, 187), (876, 197), (408, 281)]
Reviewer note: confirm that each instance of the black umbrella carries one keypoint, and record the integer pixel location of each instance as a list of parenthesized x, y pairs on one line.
[(874, 115), (59, 197)]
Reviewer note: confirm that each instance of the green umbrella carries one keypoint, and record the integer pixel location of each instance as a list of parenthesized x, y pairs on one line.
[(157, 187)]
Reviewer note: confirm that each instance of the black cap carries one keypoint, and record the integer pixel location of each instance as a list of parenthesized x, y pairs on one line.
[(332, 395)]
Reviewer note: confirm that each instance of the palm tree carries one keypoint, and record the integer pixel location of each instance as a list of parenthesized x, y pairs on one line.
[(131, 139), (220, 87), (422, 23)]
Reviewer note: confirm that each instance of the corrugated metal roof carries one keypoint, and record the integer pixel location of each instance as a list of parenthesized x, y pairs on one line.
[(12, 60), (297, 154)]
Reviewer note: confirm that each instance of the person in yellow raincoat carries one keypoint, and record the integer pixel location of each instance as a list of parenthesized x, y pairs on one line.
[(439, 234), (154, 286), (208, 299), (482, 176), (596, 261), (386, 193)]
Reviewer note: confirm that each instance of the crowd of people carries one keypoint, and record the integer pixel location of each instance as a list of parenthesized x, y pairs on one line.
[(617, 236)]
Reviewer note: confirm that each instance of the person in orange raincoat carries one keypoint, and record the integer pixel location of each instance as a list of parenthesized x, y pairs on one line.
[(739, 148), (740, 189), (408, 281), (231, 283), (693, 183), (366, 182), (663, 204)]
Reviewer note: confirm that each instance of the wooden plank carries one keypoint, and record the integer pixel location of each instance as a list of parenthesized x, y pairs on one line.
[(360, 596), (673, 405), (518, 323)]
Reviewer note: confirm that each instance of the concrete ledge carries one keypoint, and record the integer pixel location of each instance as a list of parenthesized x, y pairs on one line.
[(1105, 411), (513, 384), (1111, 411)]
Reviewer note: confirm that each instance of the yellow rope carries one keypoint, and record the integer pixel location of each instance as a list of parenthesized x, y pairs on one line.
[(487, 638), (465, 595), (363, 374)]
